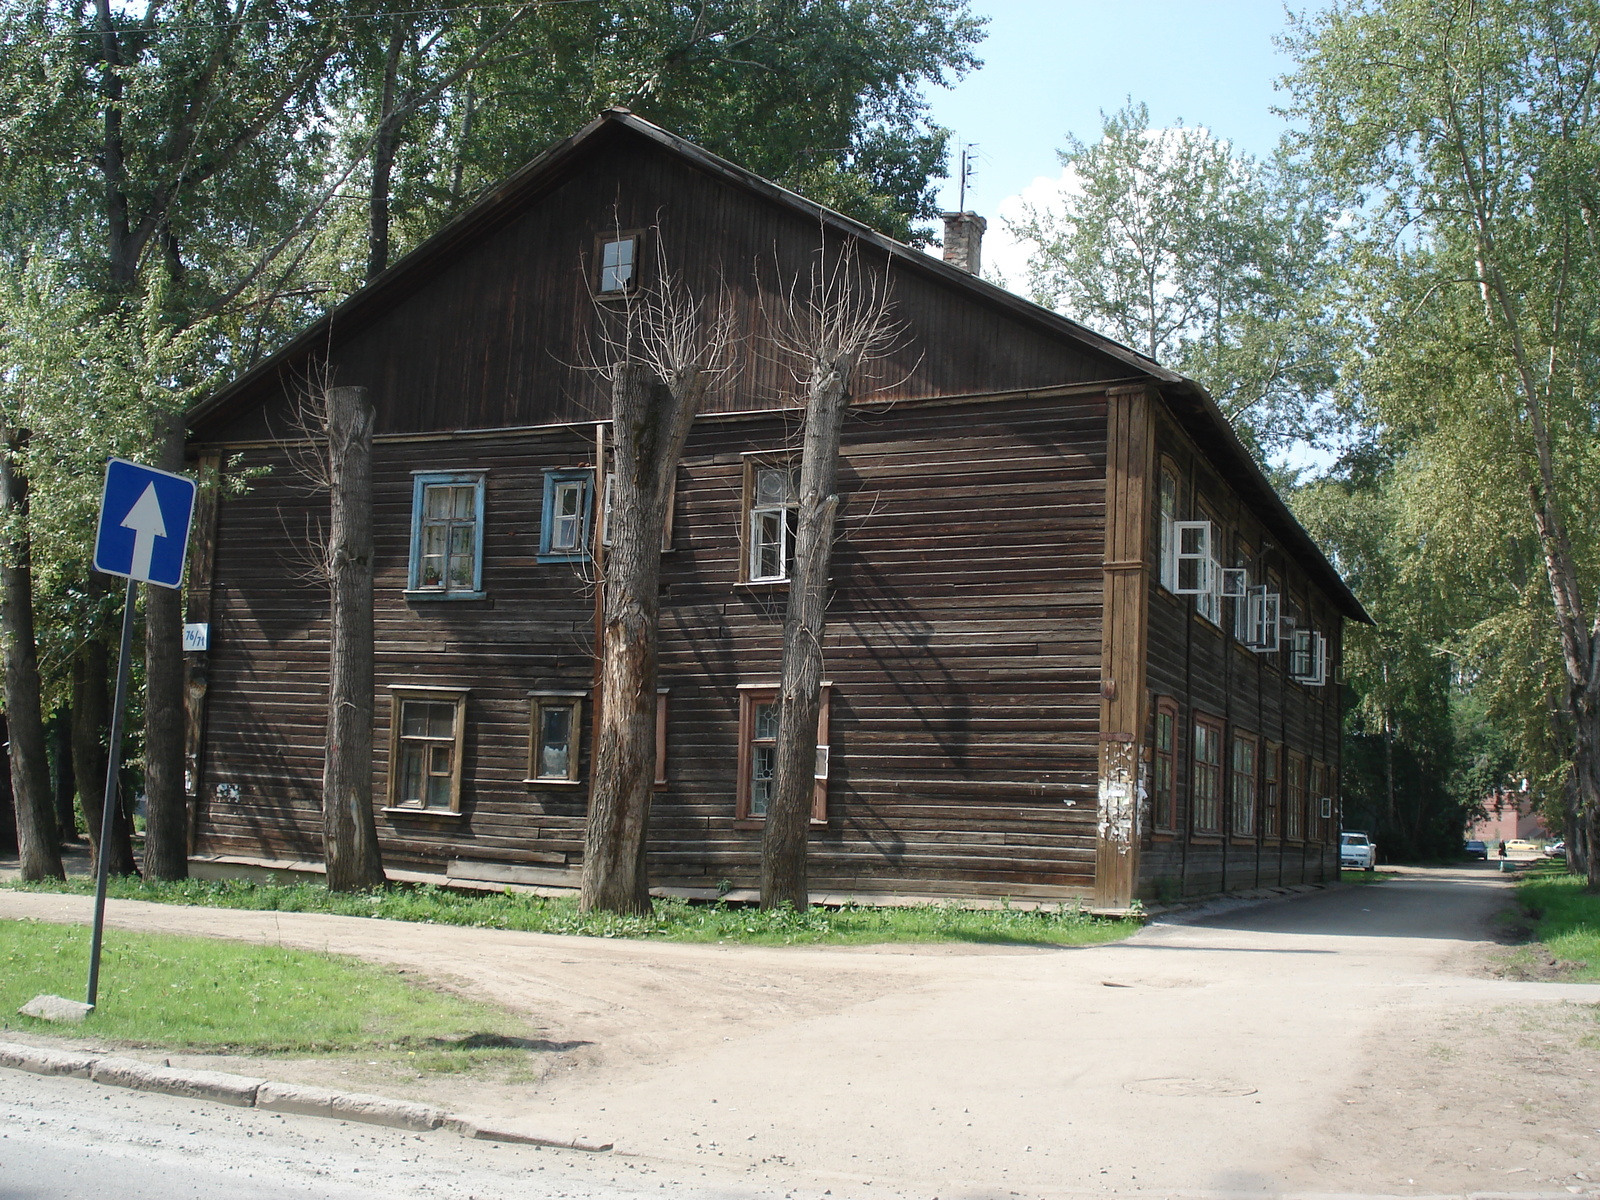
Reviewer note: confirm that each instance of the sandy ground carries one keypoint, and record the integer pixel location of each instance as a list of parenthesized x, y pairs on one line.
[(1348, 1041)]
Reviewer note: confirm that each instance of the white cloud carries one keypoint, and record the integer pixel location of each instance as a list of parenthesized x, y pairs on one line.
[(1005, 255)]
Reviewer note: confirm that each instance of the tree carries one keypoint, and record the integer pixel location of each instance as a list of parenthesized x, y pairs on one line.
[(1199, 257), (839, 325), (1462, 135), (660, 357), (350, 832), (38, 842)]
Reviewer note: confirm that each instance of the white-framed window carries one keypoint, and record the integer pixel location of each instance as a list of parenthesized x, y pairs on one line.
[(554, 727), (1259, 622), (1195, 565), (564, 526), (1308, 658), (446, 535), (617, 260), (426, 736), (772, 506)]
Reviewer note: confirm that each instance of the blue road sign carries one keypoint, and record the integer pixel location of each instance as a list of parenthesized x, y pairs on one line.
[(144, 524)]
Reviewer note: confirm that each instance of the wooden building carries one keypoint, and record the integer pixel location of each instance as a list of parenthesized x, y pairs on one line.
[(1078, 647)]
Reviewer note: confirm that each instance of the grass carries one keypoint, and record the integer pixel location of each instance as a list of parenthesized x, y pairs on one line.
[(223, 996), (669, 920), (1566, 919)]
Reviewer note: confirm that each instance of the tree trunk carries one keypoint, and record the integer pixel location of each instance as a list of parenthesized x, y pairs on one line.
[(59, 734), (385, 145), (8, 810), (91, 711), (349, 832), (650, 423), (788, 826), (38, 843), (166, 831)]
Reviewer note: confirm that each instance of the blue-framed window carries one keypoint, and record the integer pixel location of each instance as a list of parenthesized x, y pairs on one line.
[(568, 514), (446, 535)]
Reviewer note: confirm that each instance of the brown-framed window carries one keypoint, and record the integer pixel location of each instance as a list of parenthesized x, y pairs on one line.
[(616, 262), (1206, 774), (1208, 603), (1242, 784), (608, 490), (758, 754), (1164, 765), (1167, 514), (1271, 797), (427, 730), (771, 509), (555, 726), (1295, 799), (1321, 802), (661, 737)]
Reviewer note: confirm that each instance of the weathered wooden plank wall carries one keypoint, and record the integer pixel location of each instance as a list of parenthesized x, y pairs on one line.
[(964, 650)]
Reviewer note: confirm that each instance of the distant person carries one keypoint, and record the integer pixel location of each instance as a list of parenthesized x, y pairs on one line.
[(1502, 850)]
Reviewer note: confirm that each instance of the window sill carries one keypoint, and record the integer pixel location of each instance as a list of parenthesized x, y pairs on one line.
[(563, 558), (761, 585), (427, 813), (556, 783), (1164, 835), (431, 595), (761, 823), (1206, 838)]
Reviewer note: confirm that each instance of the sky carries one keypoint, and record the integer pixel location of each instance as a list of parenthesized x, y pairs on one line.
[(1052, 66)]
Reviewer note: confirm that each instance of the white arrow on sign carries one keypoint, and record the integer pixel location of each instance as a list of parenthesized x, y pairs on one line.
[(144, 518)]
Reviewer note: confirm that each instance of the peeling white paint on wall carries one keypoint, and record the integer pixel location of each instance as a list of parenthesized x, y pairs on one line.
[(1118, 802)]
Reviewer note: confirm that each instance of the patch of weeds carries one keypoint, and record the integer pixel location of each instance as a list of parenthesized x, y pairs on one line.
[(1366, 877), (1066, 924), (1565, 921)]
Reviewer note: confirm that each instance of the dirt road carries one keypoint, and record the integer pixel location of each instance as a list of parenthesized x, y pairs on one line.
[(1346, 1041)]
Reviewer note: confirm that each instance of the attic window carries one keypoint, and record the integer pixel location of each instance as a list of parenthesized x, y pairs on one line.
[(618, 260)]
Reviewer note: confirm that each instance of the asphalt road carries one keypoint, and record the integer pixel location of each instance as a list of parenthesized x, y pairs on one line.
[(1295, 1047)]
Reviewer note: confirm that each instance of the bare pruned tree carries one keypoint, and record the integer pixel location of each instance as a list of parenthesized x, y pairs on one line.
[(334, 454), (661, 350), (830, 325)]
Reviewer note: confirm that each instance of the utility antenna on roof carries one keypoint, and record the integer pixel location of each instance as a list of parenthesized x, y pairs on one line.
[(969, 168)]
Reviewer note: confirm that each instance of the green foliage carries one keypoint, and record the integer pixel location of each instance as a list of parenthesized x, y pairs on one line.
[(1566, 920), (669, 920), (160, 989), (1200, 257), (1463, 142)]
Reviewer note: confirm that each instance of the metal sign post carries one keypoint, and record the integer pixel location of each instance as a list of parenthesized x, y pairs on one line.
[(143, 535)]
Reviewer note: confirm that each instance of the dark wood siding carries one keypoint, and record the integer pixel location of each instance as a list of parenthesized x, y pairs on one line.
[(498, 337), (963, 649), (1207, 670)]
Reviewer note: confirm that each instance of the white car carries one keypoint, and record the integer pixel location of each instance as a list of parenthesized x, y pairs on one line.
[(1356, 853)]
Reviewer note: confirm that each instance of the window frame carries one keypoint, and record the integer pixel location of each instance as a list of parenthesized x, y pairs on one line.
[(1271, 789), (538, 702), (1243, 785), (751, 695), (1165, 707), (399, 694), (1294, 796), (661, 781), (754, 463), (554, 479), (615, 238), (1204, 802), (421, 481)]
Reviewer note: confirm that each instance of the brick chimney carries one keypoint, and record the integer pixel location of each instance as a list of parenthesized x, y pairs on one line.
[(963, 240)]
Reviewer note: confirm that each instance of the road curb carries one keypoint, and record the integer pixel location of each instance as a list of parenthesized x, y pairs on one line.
[(245, 1091)]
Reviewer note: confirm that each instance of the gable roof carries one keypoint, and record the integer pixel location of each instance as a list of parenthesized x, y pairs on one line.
[(1193, 406)]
